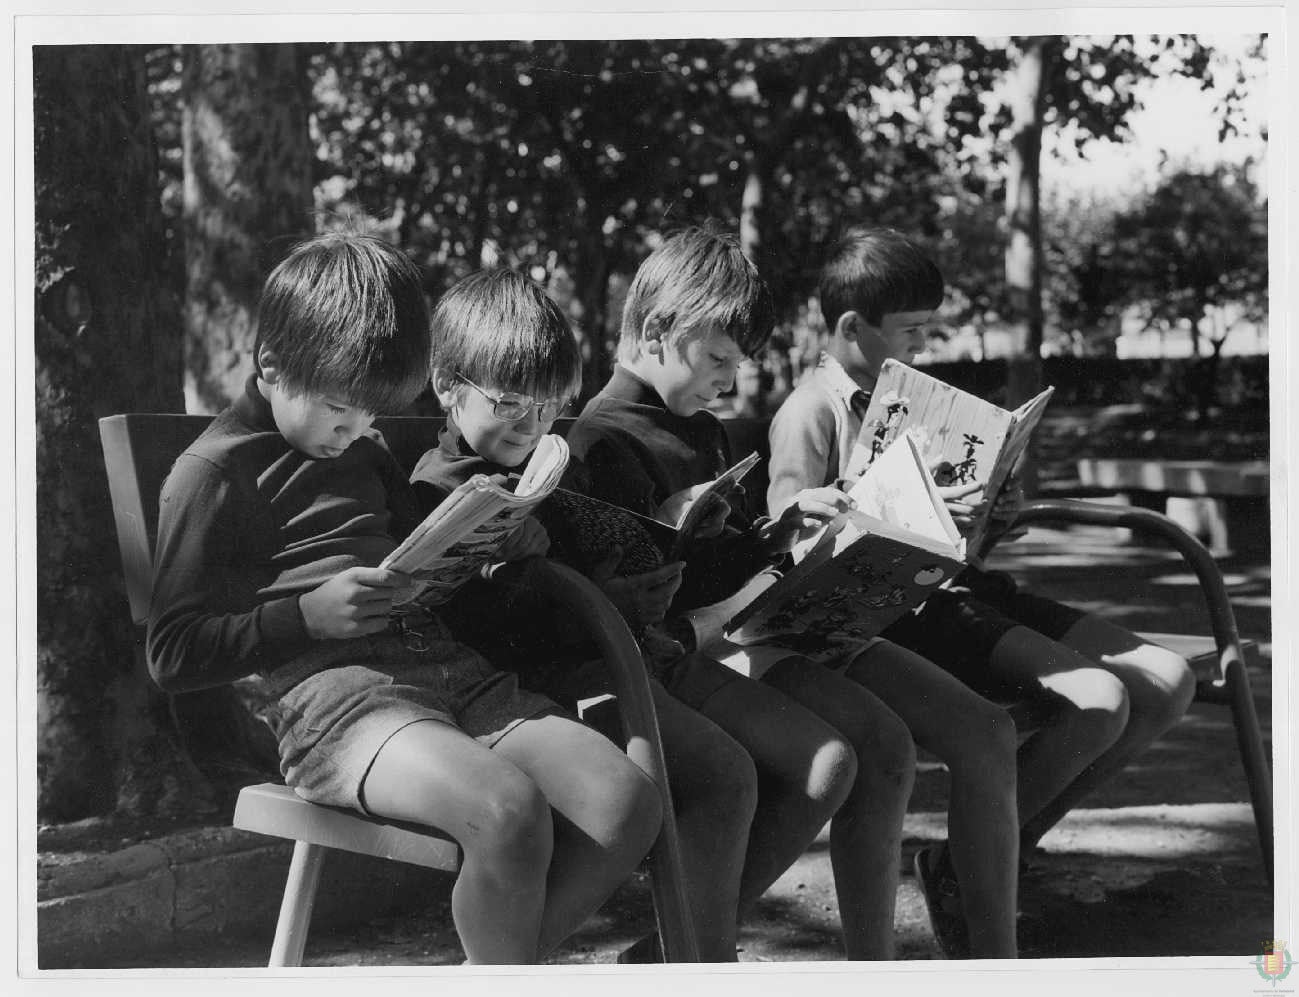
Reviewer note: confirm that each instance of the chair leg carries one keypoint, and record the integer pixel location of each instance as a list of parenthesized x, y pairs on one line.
[(295, 908), (1253, 755)]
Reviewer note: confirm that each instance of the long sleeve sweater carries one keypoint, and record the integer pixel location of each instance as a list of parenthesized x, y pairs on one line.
[(246, 526), (637, 453)]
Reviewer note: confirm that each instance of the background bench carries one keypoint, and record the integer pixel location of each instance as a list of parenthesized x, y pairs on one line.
[(1209, 499)]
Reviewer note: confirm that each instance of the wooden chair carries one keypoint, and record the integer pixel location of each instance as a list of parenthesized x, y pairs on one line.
[(1218, 661), (138, 452)]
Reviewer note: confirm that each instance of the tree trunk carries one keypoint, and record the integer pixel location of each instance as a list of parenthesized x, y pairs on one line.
[(1026, 98), (107, 340), (751, 205), (594, 268), (247, 199)]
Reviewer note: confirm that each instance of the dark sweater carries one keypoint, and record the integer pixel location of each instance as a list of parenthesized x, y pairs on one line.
[(246, 525), (637, 454), (510, 623)]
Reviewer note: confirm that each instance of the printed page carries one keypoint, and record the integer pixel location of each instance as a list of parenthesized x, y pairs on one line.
[(467, 528), (954, 431), (898, 489)]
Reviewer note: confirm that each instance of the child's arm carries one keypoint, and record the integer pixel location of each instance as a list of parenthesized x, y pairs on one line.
[(207, 626), (801, 436)]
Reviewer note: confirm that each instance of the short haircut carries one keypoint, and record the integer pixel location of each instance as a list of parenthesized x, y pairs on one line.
[(697, 279), (501, 329), (877, 272), (345, 314)]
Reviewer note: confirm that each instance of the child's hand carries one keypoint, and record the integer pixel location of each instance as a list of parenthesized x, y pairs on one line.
[(352, 603), (717, 511), (1005, 510), (1010, 501), (962, 503), (529, 539), (674, 509), (642, 599), (806, 513)]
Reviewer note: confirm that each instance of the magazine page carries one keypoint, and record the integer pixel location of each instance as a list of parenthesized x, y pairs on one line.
[(861, 577), (467, 528), (588, 529), (899, 489), (953, 429), (685, 515)]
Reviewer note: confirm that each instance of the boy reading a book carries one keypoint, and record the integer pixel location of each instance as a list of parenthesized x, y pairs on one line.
[(1115, 692), (271, 528), (505, 363), (695, 309)]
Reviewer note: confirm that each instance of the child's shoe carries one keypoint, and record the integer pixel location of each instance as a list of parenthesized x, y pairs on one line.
[(943, 899)]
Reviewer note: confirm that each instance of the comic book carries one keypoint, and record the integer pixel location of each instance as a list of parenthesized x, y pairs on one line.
[(589, 528), (966, 438), (464, 532), (858, 574)]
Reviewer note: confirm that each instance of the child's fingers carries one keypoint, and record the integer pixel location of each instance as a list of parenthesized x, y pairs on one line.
[(959, 491), (378, 577)]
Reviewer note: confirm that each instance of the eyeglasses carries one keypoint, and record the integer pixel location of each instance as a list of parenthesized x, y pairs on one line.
[(509, 407)]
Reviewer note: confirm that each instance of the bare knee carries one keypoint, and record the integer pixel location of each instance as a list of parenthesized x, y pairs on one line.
[(1160, 687), (832, 772), (988, 746), (511, 826), (631, 813), (886, 757), (722, 781), (1095, 704)]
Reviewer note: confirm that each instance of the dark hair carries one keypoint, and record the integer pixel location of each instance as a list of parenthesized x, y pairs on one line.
[(500, 328), (876, 272), (345, 313), (699, 277)]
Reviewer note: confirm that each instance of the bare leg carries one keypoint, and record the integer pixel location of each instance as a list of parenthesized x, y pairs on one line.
[(976, 739), (866, 832), (805, 771), (432, 773), (606, 816), (715, 792), (1093, 711), (1159, 687)]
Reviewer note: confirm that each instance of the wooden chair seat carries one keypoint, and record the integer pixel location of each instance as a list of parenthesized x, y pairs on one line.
[(278, 811)]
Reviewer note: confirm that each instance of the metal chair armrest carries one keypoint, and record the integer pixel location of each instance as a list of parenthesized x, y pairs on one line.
[(618, 647)]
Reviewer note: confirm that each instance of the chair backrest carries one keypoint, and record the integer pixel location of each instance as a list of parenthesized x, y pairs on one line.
[(139, 450)]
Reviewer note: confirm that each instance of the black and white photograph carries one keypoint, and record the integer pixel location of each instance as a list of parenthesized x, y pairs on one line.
[(838, 460)]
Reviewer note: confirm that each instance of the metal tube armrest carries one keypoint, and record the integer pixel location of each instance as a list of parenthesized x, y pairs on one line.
[(1232, 680), (581, 597)]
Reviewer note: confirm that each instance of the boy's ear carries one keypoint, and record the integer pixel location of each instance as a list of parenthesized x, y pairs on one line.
[(268, 365), (444, 387), (652, 332), (849, 326)]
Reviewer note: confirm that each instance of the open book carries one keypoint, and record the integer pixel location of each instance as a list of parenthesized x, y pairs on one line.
[(466, 529), (591, 528), (969, 438), (858, 574)]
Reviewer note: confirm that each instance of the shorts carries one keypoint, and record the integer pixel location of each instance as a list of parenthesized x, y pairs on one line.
[(691, 678), (1000, 590), (331, 725), (958, 627), (755, 660)]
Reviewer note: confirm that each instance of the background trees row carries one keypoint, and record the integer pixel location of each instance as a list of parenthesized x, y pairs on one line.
[(170, 180)]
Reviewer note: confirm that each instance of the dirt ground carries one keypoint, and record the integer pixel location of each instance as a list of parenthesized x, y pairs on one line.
[(1162, 862)]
